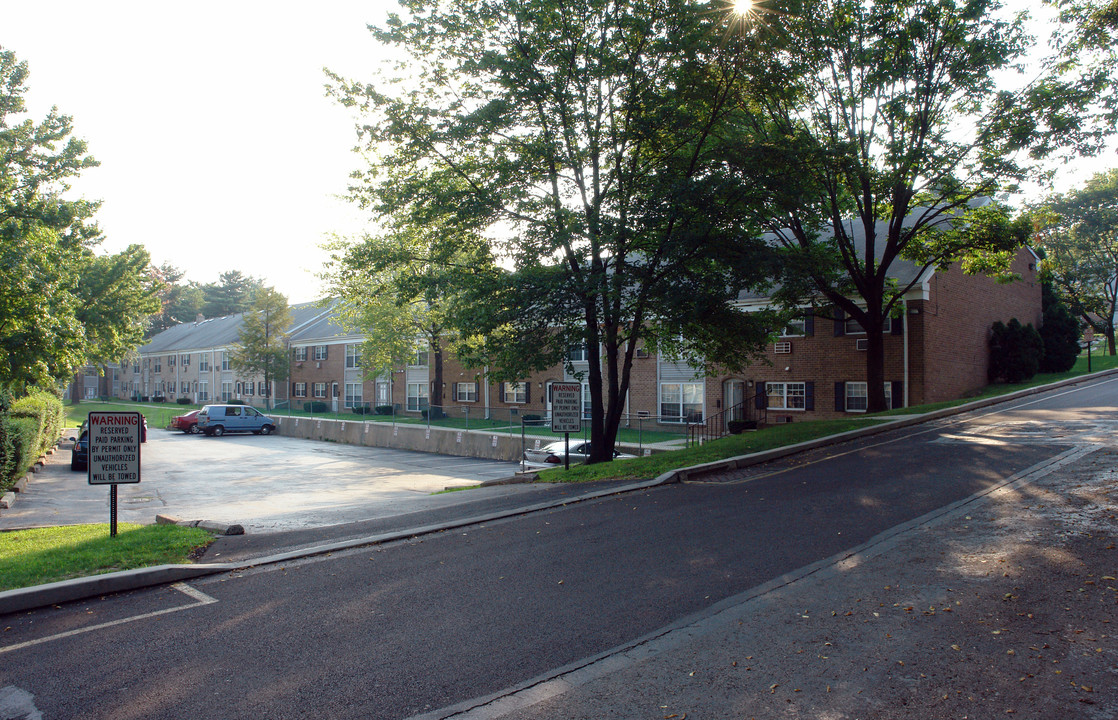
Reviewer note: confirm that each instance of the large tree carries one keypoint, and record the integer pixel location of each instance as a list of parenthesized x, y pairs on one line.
[(232, 293), (873, 132), (62, 305), (583, 146), (262, 344), (1078, 231), (180, 300)]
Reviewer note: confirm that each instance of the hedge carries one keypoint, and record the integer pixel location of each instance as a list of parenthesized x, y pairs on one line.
[(23, 436), (47, 412)]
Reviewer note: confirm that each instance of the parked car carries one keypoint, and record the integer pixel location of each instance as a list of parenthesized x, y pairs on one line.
[(221, 419), (79, 455), (188, 423), (552, 454)]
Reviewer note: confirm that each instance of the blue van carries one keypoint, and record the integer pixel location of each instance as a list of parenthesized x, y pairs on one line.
[(221, 419)]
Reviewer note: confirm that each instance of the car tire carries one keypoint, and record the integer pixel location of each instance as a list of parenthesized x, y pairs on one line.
[(193, 430), (74, 467), (266, 430), (217, 431)]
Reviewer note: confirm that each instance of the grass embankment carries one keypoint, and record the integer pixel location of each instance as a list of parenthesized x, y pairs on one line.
[(44, 555), (646, 468)]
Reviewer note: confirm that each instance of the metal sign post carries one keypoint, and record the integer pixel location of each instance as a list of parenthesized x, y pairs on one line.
[(114, 453), (566, 414)]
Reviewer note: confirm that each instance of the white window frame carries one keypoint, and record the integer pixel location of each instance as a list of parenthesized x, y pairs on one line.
[(203, 391), (301, 354), (204, 362), (516, 393), (465, 392), (786, 395), (353, 356), (300, 389), (384, 393), (418, 397), (353, 394), (422, 356), (320, 390), (320, 352), (796, 327), (577, 353), (676, 394), (226, 390), (864, 395)]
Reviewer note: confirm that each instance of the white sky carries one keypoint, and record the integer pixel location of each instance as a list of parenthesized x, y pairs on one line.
[(218, 147)]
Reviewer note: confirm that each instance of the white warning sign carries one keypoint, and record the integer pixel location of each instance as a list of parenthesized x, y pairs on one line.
[(114, 447)]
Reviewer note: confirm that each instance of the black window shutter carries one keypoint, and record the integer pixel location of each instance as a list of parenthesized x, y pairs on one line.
[(840, 322), (840, 397), (809, 395), (898, 394), (898, 326), (502, 392), (759, 400), (809, 323), (325, 352), (527, 392)]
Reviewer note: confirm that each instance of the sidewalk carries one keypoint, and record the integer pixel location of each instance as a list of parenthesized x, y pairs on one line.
[(1000, 606)]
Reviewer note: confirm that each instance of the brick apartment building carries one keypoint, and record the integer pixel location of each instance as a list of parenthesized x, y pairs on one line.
[(936, 349)]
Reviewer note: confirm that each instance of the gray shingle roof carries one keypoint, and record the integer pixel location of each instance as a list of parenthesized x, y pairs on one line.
[(224, 331)]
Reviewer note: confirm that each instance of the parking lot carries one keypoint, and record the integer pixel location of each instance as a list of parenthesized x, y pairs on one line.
[(265, 483)]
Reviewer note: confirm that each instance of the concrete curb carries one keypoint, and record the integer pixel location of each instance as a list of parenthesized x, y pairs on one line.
[(78, 588), (214, 527)]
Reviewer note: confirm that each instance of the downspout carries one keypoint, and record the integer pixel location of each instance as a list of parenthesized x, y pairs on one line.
[(485, 377), (904, 331)]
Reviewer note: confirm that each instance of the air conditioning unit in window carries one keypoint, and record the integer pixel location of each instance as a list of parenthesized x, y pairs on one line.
[(862, 344), (782, 348), (318, 365)]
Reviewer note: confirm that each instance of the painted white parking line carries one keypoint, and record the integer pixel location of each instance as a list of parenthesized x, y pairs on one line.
[(201, 598)]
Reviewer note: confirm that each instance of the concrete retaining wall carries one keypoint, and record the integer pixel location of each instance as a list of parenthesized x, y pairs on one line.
[(488, 445)]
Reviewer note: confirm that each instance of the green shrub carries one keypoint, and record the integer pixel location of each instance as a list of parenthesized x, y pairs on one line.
[(236, 402), (361, 409), (315, 407), (183, 401), (1060, 333), (433, 413), (47, 412), (24, 434), (383, 409), (1016, 351)]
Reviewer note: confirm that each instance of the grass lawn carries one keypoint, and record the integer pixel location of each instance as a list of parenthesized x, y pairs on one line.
[(158, 414), (44, 555)]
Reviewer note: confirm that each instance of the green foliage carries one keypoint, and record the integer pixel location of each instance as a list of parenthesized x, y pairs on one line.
[(1060, 332), (233, 293), (1078, 232), (563, 168), (315, 407), (262, 346), (61, 305), (849, 144), (1016, 351), (23, 438), (47, 412)]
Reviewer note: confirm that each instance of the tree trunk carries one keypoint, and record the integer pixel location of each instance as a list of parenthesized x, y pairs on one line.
[(875, 364), (436, 399)]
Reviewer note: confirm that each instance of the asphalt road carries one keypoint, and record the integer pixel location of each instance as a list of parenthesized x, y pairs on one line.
[(394, 631)]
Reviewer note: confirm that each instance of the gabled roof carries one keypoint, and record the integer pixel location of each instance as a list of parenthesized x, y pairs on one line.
[(902, 270), (225, 331)]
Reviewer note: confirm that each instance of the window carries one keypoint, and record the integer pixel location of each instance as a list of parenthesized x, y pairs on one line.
[(320, 390), (170, 361), (249, 387), (420, 358), (384, 393), (300, 389), (797, 327), (184, 359), (203, 392), (465, 392), (786, 396), (417, 397), (262, 389), (300, 354), (226, 391), (857, 396), (136, 366), (515, 392), (681, 402), (577, 353), (352, 356), (204, 362), (321, 352), (352, 393), (158, 365)]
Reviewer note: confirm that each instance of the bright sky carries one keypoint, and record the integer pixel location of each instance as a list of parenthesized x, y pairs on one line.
[(218, 147)]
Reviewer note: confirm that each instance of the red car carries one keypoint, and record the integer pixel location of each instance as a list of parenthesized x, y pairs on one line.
[(188, 423)]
